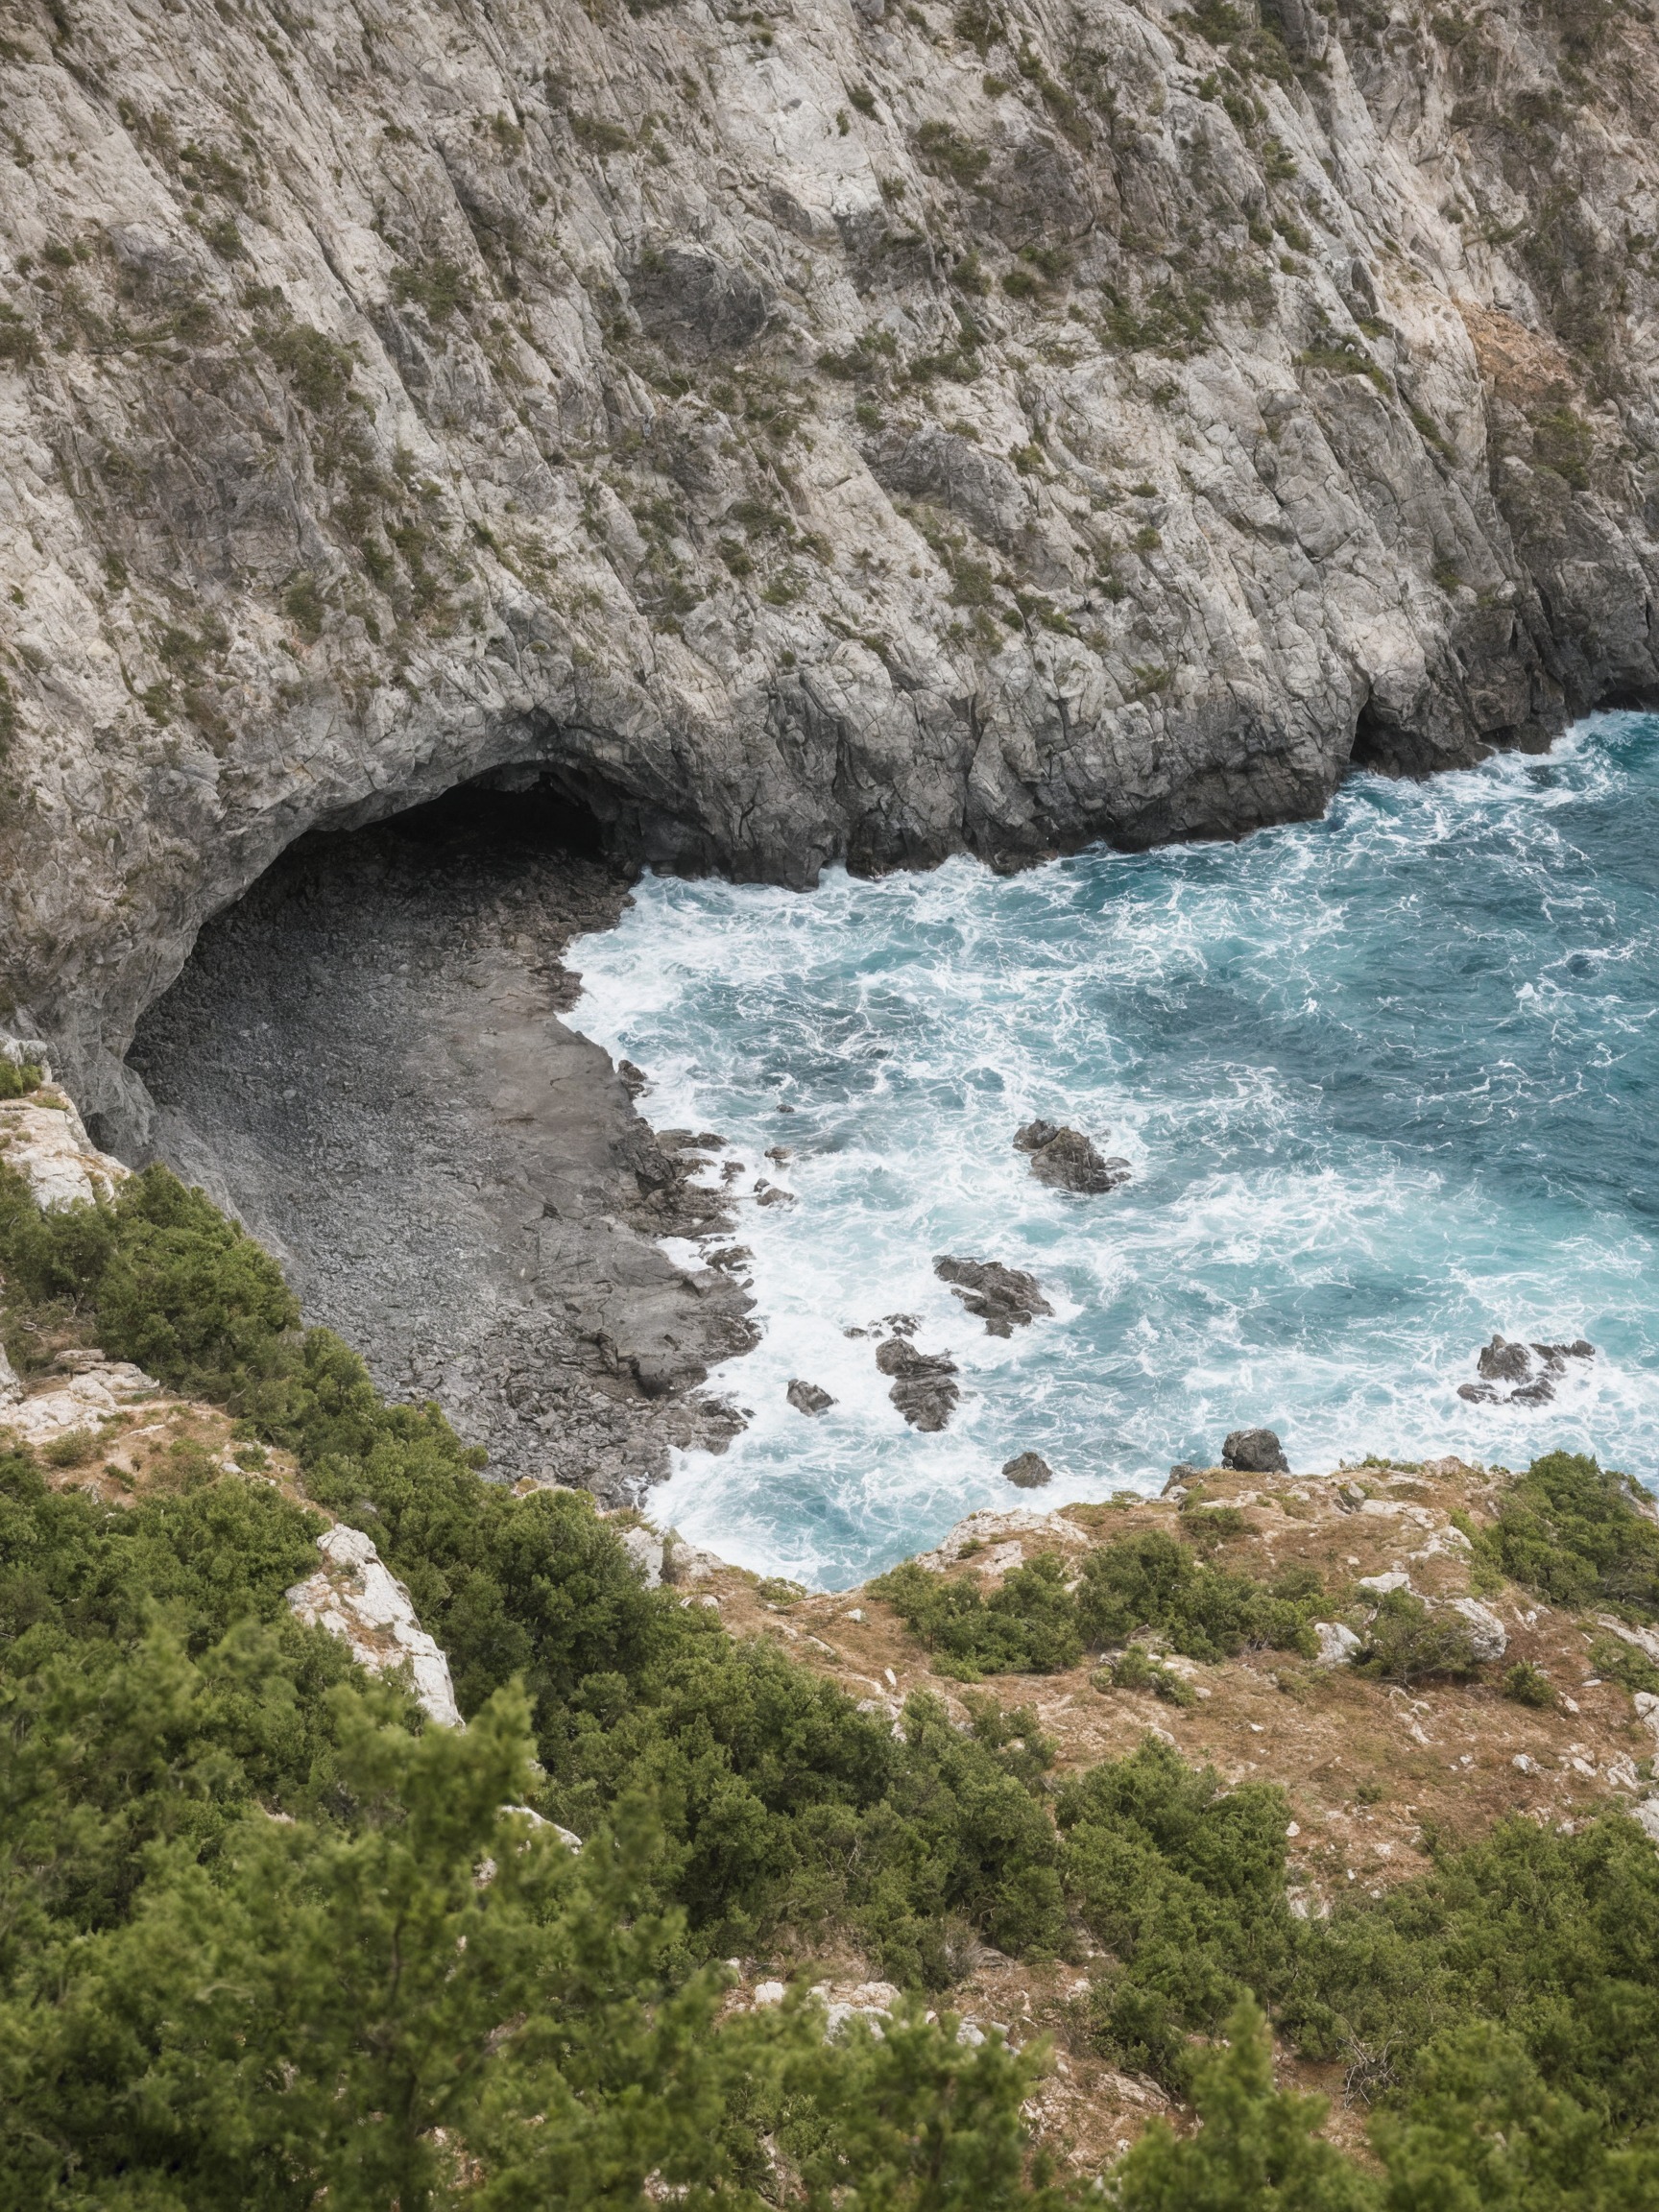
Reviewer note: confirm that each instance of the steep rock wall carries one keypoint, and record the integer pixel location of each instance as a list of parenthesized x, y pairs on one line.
[(846, 431)]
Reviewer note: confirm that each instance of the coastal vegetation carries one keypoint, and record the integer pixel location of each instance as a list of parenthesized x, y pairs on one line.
[(270, 1939)]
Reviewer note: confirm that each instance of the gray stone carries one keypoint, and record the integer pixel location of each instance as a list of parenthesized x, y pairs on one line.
[(1066, 1159), (1030, 1471), (1254, 1452), (1488, 1637), (808, 1397), (924, 1390), (1004, 1298)]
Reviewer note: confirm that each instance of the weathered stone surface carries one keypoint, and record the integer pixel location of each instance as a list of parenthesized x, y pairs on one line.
[(808, 1397), (1488, 1639), (1030, 1471), (391, 399), (1067, 1160), (1254, 1452), (43, 1138), (103, 1389), (1004, 1298), (1531, 1367), (354, 1596), (924, 1390)]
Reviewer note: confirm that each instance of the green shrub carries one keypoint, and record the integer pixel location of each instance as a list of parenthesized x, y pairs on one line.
[(1570, 1532), (1405, 1642), (1528, 1685), (1150, 1581), (943, 148), (1183, 1882), (1622, 1663), (17, 1078), (1028, 1626), (1134, 1669)]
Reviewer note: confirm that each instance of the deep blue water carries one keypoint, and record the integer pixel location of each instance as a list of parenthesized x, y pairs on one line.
[(1387, 1081)]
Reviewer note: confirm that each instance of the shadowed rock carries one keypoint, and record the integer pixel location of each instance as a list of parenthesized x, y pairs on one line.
[(1254, 1452), (1066, 1159), (924, 1389), (807, 1397), (1030, 1471), (1004, 1298)]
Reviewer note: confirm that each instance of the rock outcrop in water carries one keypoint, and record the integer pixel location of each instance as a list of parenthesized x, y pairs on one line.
[(862, 433), (1528, 1369), (1004, 1298), (1068, 1161), (925, 1389)]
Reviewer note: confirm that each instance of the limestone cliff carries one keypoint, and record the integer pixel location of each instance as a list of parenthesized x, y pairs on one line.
[(847, 431)]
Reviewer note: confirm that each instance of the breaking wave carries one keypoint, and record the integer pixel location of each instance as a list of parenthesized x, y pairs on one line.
[(1386, 1083)]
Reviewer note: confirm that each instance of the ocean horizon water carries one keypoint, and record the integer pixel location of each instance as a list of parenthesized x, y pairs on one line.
[(1383, 1080)]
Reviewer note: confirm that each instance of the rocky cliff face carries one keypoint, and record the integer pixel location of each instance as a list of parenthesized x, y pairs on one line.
[(849, 431)]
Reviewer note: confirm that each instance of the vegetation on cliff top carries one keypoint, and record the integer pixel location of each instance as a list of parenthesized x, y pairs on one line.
[(268, 1940)]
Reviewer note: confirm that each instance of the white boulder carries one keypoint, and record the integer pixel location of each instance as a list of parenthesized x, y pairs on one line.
[(49, 1147), (1486, 1633), (83, 1401), (356, 1598), (1337, 1643)]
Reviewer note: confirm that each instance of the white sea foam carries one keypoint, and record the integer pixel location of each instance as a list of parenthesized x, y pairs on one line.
[(1382, 1081)]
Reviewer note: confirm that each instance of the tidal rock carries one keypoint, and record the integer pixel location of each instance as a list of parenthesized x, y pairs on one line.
[(1066, 1159), (807, 1397), (1030, 1471), (1254, 1452), (1529, 1367), (1004, 1298), (924, 1388)]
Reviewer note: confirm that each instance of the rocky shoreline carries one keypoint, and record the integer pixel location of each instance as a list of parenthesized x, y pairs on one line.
[(365, 1061)]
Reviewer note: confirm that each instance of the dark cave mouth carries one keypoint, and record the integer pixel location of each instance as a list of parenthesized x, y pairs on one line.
[(517, 811)]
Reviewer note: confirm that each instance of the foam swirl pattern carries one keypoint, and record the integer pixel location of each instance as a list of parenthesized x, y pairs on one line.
[(1386, 1080)]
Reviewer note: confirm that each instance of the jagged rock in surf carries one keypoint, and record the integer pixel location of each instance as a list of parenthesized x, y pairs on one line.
[(808, 1397), (1030, 1471), (1066, 1159), (924, 1387), (1004, 1298), (1254, 1452), (1531, 1367)]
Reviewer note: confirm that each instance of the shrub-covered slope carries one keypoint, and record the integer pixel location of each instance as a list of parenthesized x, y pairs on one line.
[(268, 1940)]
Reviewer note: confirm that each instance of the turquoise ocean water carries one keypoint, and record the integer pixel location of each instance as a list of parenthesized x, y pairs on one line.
[(1386, 1080)]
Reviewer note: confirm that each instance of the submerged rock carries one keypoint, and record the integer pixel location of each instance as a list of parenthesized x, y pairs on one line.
[(1066, 1159), (1030, 1471), (924, 1387), (1004, 1298), (1254, 1452), (807, 1397)]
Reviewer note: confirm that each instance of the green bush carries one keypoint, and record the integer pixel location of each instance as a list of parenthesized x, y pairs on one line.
[(1572, 1532), (1183, 1882), (1028, 1626), (17, 1078), (1151, 1582), (1528, 1685), (1405, 1641)]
